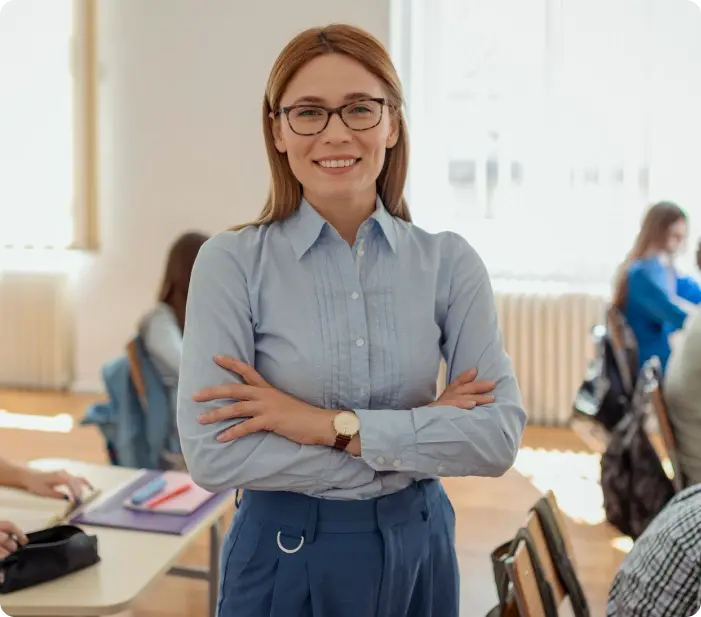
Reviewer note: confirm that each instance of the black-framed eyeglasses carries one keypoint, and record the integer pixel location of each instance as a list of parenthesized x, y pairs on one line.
[(313, 119)]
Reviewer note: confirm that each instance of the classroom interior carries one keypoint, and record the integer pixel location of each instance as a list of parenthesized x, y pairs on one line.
[(540, 131)]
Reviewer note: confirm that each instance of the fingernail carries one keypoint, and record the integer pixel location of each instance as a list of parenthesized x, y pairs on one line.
[(471, 405)]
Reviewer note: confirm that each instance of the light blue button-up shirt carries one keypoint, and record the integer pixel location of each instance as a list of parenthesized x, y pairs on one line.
[(342, 327)]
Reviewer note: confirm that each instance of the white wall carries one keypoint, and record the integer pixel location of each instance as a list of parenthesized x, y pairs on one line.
[(181, 144)]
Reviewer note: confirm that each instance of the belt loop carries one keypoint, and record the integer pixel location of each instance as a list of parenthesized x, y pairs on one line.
[(310, 530), (238, 498), (424, 495)]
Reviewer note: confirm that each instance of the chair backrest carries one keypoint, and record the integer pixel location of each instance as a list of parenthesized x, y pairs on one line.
[(522, 573), (624, 346), (560, 518), (135, 372), (669, 444)]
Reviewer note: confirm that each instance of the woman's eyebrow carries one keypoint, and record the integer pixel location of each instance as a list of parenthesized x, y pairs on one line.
[(317, 100)]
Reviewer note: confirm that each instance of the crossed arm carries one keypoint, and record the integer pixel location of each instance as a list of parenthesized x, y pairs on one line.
[(281, 443)]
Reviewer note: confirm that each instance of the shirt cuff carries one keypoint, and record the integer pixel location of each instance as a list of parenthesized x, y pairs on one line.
[(388, 439)]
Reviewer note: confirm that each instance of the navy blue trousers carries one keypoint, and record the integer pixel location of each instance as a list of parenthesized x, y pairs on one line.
[(289, 555)]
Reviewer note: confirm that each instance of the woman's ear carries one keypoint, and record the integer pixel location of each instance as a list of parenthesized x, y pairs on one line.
[(276, 127), (395, 127)]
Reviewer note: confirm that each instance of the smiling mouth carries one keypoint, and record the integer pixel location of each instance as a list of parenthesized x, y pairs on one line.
[(333, 164)]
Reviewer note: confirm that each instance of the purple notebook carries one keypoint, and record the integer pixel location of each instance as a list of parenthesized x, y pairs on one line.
[(112, 513)]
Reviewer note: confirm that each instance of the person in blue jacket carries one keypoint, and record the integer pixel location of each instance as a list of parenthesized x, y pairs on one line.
[(649, 288)]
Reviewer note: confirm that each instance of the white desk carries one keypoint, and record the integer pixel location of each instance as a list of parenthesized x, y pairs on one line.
[(131, 560)]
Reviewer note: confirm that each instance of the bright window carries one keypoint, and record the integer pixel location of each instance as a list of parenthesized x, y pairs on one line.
[(541, 129), (44, 120)]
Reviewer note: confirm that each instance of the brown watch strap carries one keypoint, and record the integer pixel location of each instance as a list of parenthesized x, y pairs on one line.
[(342, 442)]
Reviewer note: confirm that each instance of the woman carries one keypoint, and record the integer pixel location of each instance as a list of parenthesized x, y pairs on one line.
[(325, 321), (43, 483), (162, 328), (649, 289)]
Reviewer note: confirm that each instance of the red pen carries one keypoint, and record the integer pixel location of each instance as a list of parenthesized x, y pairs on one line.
[(174, 493)]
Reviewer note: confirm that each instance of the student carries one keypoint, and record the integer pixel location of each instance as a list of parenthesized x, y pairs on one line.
[(660, 576), (43, 483), (331, 313), (161, 328), (649, 288), (682, 394)]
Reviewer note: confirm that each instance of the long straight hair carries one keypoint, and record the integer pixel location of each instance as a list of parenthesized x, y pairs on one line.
[(653, 234), (285, 192)]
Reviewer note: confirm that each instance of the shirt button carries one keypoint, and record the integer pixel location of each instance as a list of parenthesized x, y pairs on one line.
[(360, 342), (363, 391), (440, 469), (396, 463), (381, 460), (355, 295), (361, 252)]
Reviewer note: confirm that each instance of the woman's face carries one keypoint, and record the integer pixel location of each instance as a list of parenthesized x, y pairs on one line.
[(676, 236), (338, 163)]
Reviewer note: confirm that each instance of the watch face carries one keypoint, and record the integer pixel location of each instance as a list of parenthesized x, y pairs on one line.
[(346, 423)]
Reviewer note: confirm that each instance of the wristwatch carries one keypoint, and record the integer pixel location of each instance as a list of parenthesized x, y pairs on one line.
[(347, 426)]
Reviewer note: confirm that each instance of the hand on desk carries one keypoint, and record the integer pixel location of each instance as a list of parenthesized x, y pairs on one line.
[(48, 483), (11, 538)]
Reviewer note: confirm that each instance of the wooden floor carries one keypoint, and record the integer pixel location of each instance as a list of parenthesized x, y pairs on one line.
[(488, 510)]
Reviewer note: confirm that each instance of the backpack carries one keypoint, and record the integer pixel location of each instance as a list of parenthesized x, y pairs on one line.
[(606, 393), (633, 482)]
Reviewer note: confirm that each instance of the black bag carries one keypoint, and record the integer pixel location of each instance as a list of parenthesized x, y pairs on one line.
[(49, 554), (561, 560), (606, 393), (507, 603), (634, 484)]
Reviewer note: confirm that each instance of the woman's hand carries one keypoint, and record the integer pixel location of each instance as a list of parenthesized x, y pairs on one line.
[(265, 407), (48, 483), (466, 393), (11, 538)]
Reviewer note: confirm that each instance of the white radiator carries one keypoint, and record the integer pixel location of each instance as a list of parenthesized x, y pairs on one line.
[(36, 331), (548, 336)]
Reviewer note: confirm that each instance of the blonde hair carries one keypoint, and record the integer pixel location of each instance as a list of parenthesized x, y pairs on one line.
[(285, 192), (653, 233)]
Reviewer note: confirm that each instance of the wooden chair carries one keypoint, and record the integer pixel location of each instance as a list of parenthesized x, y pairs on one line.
[(521, 573), (666, 447), (521, 570), (135, 370)]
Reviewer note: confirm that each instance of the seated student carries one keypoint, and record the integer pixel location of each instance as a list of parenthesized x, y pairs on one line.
[(649, 288), (43, 483), (161, 328), (682, 393), (660, 576)]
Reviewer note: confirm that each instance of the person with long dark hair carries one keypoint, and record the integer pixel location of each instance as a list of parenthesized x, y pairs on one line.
[(648, 286)]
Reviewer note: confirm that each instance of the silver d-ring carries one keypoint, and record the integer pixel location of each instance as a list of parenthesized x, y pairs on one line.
[(288, 550)]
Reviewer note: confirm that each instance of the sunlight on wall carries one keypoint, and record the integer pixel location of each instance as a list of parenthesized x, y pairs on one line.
[(572, 476), (62, 423)]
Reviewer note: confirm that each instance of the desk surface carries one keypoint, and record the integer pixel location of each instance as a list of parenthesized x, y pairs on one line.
[(131, 560)]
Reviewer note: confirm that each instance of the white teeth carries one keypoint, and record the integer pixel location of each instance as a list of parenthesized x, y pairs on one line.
[(346, 163)]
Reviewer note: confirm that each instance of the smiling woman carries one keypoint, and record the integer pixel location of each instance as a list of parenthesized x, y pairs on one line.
[(324, 323)]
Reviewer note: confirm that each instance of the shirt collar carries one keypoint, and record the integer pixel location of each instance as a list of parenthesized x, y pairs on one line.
[(305, 226)]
